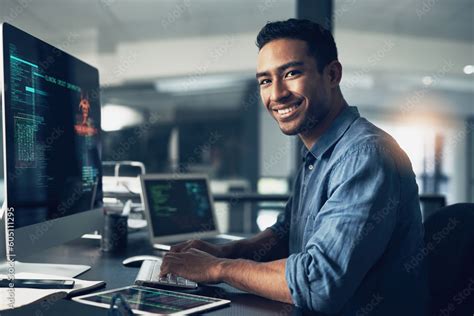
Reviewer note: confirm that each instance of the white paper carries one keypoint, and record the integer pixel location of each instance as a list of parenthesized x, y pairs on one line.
[(16, 297)]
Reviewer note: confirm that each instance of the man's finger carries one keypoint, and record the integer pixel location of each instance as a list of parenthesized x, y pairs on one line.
[(166, 266), (179, 247), (170, 261), (195, 250), (170, 256), (199, 252)]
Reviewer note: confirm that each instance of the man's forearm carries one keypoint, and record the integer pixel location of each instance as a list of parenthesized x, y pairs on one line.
[(266, 279), (265, 246)]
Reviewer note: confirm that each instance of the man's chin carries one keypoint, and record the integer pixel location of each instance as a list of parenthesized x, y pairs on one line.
[(302, 128), (289, 131)]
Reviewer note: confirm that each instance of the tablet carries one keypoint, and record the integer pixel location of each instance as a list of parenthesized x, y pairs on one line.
[(150, 301)]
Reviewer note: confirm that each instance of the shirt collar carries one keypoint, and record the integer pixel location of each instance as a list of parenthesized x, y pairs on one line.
[(338, 127)]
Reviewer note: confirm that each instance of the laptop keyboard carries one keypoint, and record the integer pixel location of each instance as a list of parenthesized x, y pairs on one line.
[(149, 275)]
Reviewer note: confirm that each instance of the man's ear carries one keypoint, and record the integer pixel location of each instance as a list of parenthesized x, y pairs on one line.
[(334, 71)]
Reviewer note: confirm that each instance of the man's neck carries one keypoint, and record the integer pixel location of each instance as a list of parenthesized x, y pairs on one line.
[(313, 136)]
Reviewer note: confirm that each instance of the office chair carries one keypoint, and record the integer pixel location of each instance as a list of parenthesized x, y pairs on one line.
[(450, 261), (430, 204)]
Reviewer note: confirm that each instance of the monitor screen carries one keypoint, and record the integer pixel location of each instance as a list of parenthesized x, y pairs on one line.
[(51, 130), (179, 206)]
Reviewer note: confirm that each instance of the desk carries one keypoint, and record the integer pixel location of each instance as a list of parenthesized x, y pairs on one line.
[(108, 267)]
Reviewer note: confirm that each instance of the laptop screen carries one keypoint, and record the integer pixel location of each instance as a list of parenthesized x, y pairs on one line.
[(179, 206)]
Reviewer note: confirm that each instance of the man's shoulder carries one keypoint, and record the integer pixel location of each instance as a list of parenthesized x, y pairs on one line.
[(364, 137)]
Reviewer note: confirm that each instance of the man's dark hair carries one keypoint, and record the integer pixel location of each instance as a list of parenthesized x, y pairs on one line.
[(320, 42)]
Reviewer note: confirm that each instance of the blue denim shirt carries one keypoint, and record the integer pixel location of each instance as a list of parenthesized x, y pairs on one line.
[(353, 224)]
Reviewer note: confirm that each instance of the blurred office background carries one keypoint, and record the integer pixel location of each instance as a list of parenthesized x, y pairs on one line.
[(179, 91)]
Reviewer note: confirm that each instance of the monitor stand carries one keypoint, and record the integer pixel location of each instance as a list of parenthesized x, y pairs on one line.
[(14, 267)]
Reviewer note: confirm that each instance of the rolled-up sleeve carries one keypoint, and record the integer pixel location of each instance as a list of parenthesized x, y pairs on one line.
[(349, 233)]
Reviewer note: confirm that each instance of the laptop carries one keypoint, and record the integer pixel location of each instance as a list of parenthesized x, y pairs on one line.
[(179, 207)]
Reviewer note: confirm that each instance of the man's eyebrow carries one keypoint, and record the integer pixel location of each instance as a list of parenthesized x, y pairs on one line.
[(281, 68)]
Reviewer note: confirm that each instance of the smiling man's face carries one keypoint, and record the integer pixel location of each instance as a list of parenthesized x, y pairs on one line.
[(291, 88)]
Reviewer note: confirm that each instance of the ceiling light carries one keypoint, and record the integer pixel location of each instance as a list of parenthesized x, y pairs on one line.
[(427, 80), (195, 83), (468, 69), (115, 117)]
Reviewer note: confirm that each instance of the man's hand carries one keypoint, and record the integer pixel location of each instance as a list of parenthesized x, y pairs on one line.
[(221, 251), (194, 265), (251, 248), (266, 279)]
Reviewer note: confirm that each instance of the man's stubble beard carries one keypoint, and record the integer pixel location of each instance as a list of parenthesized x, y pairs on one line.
[(310, 122)]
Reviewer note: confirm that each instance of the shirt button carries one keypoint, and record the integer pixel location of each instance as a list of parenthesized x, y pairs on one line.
[(310, 167)]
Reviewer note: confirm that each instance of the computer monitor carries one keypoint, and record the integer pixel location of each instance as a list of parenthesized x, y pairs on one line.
[(51, 150)]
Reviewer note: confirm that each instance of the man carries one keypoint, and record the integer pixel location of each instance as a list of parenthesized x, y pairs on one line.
[(353, 221)]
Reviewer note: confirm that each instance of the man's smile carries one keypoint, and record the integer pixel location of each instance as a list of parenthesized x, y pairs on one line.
[(286, 112)]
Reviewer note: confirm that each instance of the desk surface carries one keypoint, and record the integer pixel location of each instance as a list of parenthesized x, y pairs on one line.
[(108, 267)]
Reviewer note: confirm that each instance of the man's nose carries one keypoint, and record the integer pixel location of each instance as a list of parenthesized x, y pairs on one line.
[(279, 91)]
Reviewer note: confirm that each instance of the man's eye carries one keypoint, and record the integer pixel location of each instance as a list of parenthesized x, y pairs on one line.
[(264, 81), (292, 73)]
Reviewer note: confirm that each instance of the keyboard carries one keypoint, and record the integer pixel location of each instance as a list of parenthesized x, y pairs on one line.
[(149, 275)]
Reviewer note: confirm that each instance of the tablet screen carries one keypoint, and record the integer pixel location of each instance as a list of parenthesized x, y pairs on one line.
[(150, 300)]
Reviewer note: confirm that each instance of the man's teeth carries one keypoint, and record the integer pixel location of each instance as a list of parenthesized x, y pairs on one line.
[(287, 110)]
